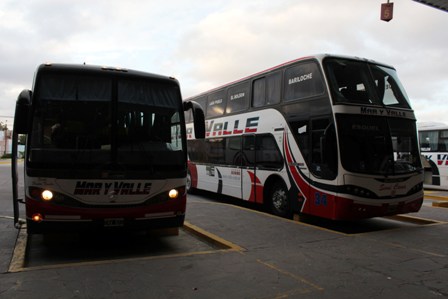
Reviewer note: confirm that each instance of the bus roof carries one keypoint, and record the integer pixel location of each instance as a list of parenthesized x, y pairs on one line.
[(431, 126), (97, 70), (319, 57)]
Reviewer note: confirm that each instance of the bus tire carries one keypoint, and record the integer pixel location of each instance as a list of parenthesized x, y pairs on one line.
[(278, 200), (189, 187)]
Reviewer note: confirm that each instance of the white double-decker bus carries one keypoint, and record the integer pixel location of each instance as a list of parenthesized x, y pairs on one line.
[(326, 135), (433, 139)]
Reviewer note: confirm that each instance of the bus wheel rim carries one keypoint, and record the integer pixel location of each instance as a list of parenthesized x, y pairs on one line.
[(279, 199), (188, 181)]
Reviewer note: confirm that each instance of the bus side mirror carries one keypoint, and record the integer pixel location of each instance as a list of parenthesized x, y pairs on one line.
[(199, 118), (21, 117)]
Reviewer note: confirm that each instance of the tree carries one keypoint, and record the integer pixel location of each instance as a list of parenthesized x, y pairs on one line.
[(3, 127), (22, 139)]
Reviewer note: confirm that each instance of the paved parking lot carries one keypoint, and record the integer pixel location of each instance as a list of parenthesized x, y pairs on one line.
[(245, 254)]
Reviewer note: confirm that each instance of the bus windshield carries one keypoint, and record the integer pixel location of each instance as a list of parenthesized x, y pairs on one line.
[(378, 145), (72, 124), (364, 83)]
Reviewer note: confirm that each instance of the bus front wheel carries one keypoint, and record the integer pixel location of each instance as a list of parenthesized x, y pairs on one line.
[(189, 187), (279, 201)]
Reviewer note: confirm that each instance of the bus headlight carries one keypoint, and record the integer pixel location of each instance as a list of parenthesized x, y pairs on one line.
[(47, 195), (173, 193), (359, 191)]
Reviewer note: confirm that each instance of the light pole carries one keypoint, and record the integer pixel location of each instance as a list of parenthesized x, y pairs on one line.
[(5, 131)]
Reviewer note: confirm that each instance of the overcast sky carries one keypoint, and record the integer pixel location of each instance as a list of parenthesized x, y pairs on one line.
[(208, 43)]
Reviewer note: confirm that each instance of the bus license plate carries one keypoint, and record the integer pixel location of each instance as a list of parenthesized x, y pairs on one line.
[(113, 222)]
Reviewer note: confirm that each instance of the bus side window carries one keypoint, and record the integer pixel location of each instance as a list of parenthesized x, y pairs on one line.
[(266, 90), (302, 81), (249, 150), (196, 150), (259, 92), (267, 153), (429, 141), (234, 155), (273, 88), (216, 103), (443, 142), (203, 102), (216, 150), (238, 98)]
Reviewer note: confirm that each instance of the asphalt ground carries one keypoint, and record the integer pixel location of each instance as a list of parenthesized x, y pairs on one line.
[(230, 250)]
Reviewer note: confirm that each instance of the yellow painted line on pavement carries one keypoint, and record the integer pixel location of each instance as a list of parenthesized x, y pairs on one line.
[(413, 219), (211, 237), (443, 204), (437, 197), (442, 201), (292, 275), (18, 261), (431, 195)]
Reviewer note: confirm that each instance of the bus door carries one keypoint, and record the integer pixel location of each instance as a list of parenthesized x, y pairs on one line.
[(323, 163), (246, 156), (233, 169), (20, 127), (302, 133), (249, 179)]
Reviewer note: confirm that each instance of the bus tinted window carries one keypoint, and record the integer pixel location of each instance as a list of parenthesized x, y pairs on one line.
[(432, 141), (216, 150), (372, 144), (238, 98), (203, 102), (266, 90), (216, 104), (69, 125), (196, 150), (267, 153), (388, 87), (444, 134), (429, 141), (67, 87), (365, 83), (303, 81), (87, 121), (233, 151), (273, 88), (249, 150), (259, 93), (142, 93)]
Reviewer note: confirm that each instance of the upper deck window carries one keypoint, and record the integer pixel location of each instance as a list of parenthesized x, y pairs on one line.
[(266, 90), (364, 83), (216, 104), (237, 98), (302, 81)]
